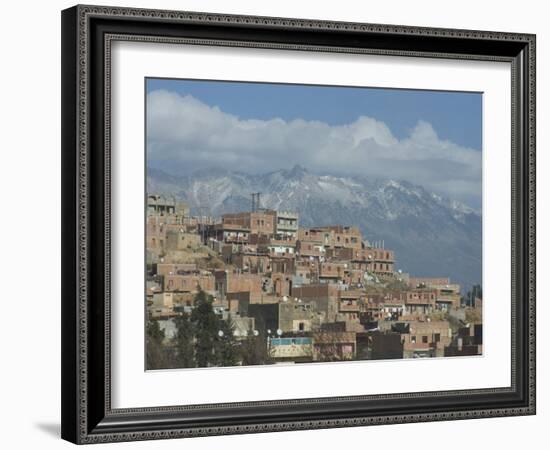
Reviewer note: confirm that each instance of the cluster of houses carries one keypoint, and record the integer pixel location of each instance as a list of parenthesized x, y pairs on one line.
[(311, 293)]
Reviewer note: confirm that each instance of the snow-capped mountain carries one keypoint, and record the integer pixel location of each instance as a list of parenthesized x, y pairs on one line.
[(431, 235)]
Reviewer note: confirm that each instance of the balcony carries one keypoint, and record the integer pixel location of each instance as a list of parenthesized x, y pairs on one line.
[(345, 306)]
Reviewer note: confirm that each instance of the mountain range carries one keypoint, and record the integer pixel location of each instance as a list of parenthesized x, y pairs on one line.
[(430, 234)]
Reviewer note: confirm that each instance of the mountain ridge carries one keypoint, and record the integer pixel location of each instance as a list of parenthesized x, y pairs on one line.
[(431, 235)]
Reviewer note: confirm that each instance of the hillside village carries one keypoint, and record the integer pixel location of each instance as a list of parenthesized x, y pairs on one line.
[(255, 287)]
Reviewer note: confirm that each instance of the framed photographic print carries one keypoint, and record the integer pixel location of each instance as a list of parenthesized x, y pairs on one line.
[(278, 224)]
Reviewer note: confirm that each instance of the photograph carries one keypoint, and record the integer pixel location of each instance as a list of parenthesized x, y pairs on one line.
[(294, 223), (276, 220)]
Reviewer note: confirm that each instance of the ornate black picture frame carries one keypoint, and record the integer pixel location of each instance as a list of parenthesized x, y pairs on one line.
[(87, 34)]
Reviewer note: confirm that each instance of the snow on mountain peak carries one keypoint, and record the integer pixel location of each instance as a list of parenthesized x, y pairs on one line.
[(430, 234)]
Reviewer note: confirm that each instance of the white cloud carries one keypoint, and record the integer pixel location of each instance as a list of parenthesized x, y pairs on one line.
[(184, 134)]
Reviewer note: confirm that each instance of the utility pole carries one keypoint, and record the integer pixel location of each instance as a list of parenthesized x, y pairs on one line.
[(255, 201), (202, 221)]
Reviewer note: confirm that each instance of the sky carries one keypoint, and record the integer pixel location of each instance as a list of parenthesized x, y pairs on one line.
[(430, 138)]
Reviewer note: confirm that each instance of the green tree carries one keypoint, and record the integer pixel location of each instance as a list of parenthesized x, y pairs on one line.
[(226, 347), (472, 294), (477, 291), (438, 315), (254, 350), (396, 285), (206, 327), (473, 315), (156, 352), (184, 341)]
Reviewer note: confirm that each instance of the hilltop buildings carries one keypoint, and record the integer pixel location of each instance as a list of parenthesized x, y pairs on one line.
[(307, 294)]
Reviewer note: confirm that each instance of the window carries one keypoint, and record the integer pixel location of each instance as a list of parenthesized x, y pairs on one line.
[(437, 337), (424, 339), (413, 339), (301, 326)]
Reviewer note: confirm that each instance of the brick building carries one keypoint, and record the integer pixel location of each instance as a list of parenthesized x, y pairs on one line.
[(314, 293), (426, 339), (258, 222), (189, 282)]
